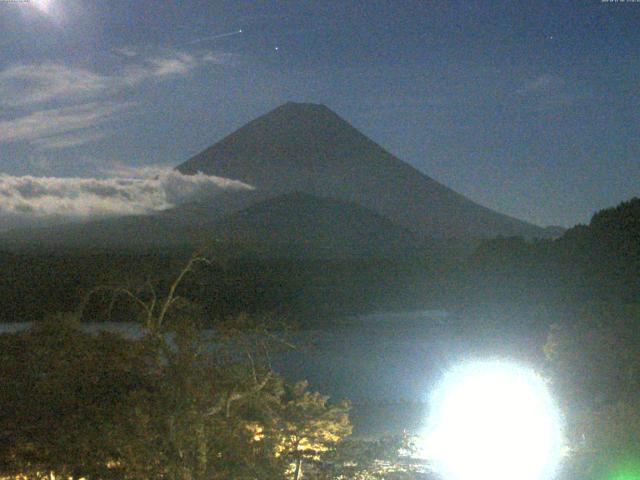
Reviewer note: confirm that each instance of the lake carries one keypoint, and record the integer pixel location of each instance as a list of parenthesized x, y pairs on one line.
[(391, 357)]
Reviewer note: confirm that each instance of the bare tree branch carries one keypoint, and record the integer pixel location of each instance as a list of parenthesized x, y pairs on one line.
[(168, 301), (234, 396)]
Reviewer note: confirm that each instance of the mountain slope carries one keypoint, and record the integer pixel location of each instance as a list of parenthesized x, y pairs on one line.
[(289, 225), (298, 224), (308, 148)]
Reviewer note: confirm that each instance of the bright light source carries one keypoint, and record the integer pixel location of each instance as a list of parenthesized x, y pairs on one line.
[(44, 6), (51, 9), (493, 421)]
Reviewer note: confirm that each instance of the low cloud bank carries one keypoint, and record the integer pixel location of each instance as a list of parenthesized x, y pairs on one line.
[(26, 200)]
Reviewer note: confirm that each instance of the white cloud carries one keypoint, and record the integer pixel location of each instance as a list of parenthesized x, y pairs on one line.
[(175, 65), (60, 99), (28, 199), (128, 52), (69, 140), (32, 84), (45, 123)]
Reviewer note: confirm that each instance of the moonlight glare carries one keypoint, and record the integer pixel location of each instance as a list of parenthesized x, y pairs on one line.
[(44, 6), (493, 421), (52, 10)]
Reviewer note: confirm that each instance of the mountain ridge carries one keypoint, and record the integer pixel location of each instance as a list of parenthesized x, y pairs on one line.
[(308, 147), (309, 153)]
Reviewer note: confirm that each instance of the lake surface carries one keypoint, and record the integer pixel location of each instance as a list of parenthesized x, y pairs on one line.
[(386, 357)]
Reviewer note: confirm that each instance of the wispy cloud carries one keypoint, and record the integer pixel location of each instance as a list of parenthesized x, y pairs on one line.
[(57, 142), (549, 92), (45, 123), (176, 65), (55, 99), (128, 52), (545, 83), (209, 38), (34, 84), (29, 199)]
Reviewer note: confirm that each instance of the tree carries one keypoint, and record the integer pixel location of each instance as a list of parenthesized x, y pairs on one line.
[(64, 396), (368, 458), (308, 426), (595, 366), (175, 403), (216, 409)]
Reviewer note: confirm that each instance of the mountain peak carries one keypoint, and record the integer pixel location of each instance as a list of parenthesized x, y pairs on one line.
[(309, 148), (302, 106), (294, 115)]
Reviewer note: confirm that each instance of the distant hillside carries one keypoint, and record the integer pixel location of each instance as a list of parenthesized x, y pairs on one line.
[(316, 227), (129, 233), (588, 262), (554, 231), (606, 252), (290, 225), (308, 148)]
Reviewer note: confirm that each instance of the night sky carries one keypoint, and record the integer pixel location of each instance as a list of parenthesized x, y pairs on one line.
[(529, 108)]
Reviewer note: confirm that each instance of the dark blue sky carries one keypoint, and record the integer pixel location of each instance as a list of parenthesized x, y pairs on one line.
[(530, 108)]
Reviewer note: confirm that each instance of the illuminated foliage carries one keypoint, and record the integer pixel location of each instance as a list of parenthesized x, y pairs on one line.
[(173, 404), (307, 426), (369, 459), (64, 394)]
